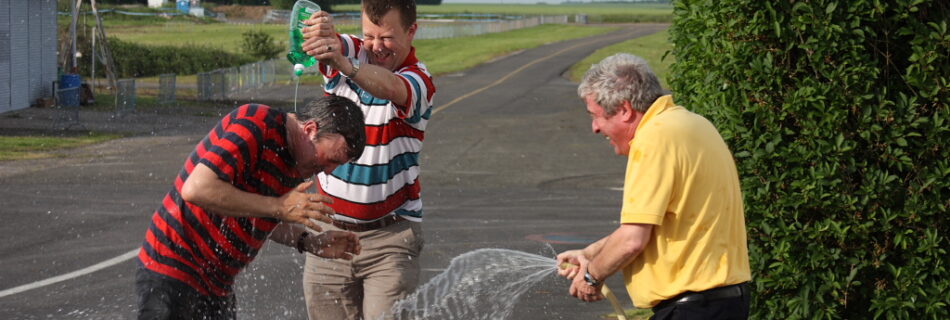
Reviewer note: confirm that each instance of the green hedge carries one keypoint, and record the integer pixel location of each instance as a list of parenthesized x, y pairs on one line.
[(135, 60), (837, 113)]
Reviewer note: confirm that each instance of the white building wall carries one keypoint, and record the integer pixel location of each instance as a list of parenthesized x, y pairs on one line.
[(5, 44), (156, 3), (48, 64), (19, 54), (27, 52), (35, 35)]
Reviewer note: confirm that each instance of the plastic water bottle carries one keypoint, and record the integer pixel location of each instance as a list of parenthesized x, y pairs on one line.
[(303, 9)]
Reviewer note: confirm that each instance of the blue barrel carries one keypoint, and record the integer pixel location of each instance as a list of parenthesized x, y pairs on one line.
[(184, 6), (69, 90)]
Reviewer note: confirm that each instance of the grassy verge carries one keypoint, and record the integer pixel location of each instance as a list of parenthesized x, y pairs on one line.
[(651, 48), (39, 146), (633, 314), (611, 12), (452, 55), (146, 101), (444, 56), (228, 37)]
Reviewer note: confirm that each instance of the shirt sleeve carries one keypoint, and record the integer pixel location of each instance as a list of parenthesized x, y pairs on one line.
[(419, 91), (649, 182), (233, 147)]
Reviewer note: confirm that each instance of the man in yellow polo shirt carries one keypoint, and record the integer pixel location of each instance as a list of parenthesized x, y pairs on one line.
[(682, 241)]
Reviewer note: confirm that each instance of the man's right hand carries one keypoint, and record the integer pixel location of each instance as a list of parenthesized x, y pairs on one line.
[(570, 259), (321, 41), (300, 207)]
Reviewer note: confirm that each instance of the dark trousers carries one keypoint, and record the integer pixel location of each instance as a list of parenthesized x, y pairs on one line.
[(728, 308), (164, 298)]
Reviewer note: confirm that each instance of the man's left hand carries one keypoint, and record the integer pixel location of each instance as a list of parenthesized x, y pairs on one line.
[(334, 245), (583, 291)]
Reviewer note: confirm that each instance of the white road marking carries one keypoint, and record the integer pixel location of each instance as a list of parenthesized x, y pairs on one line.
[(75, 274)]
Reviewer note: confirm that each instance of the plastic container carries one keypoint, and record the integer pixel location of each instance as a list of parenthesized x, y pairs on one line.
[(184, 6), (69, 89), (303, 9)]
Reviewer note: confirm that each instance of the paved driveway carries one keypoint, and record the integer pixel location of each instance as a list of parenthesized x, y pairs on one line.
[(509, 162)]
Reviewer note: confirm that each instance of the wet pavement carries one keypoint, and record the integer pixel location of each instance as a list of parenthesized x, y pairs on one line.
[(512, 166)]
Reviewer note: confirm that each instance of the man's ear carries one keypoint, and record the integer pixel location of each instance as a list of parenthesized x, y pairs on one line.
[(412, 30), (626, 111), (310, 127)]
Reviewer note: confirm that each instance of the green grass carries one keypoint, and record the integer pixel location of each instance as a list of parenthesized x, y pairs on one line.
[(224, 36), (626, 12), (146, 101), (111, 19), (633, 314), (444, 56), (651, 48), (36, 147), (452, 55)]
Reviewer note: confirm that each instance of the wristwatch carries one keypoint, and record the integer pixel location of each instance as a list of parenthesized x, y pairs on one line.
[(590, 280), (300, 239), (356, 68)]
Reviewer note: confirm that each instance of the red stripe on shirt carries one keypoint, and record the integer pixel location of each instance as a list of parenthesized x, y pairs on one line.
[(381, 135), (371, 211)]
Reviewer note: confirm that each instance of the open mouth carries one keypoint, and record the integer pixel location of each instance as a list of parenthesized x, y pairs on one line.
[(382, 56)]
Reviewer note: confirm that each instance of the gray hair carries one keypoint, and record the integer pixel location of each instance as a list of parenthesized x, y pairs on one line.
[(618, 78)]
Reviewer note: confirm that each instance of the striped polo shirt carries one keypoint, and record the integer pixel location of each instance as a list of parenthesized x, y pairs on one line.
[(248, 149), (385, 179)]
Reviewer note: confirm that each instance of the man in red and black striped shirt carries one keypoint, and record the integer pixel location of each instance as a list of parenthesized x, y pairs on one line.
[(245, 183)]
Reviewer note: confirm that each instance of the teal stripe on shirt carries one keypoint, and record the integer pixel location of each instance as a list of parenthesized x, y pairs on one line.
[(378, 174), (402, 212)]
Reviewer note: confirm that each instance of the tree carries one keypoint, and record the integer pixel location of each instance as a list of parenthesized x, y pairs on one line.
[(837, 113)]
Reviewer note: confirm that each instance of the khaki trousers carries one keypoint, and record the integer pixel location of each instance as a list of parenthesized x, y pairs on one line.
[(366, 287)]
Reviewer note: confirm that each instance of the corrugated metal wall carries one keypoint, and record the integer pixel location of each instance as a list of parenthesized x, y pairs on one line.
[(27, 52), (19, 54), (4, 55)]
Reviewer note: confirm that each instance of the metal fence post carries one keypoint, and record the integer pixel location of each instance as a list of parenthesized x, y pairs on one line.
[(125, 96), (166, 88)]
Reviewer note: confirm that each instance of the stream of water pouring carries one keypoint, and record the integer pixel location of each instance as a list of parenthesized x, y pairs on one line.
[(481, 284), (296, 86)]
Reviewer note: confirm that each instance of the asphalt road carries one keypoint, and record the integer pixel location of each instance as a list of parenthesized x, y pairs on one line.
[(509, 162)]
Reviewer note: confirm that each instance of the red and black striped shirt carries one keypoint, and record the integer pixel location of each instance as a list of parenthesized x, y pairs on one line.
[(248, 149)]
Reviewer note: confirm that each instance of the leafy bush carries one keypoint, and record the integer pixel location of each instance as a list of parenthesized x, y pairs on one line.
[(283, 4), (837, 112), (325, 5), (260, 45), (135, 60)]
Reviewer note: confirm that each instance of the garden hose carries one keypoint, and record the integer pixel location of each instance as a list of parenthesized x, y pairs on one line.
[(621, 315)]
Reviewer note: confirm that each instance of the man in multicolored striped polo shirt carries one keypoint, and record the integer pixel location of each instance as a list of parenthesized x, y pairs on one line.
[(244, 183), (378, 195)]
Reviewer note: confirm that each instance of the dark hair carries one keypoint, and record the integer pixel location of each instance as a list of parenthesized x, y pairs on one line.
[(337, 115), (376, 9)]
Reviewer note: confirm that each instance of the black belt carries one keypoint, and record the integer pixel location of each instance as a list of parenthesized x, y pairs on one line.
[(727, 292), (372, 225)]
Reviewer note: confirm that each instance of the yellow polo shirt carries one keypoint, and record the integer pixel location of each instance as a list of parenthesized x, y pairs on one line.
[(681, 177)]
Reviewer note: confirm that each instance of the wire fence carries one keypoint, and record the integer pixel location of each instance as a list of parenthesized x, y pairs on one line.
[(435, 29), (125, 96), (222, 84), (166, 88)]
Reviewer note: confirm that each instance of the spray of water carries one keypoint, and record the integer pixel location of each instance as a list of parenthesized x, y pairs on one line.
[(481, 284)]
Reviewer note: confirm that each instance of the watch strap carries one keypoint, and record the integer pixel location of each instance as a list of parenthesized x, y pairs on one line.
[(591, 280), (303, 236)]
